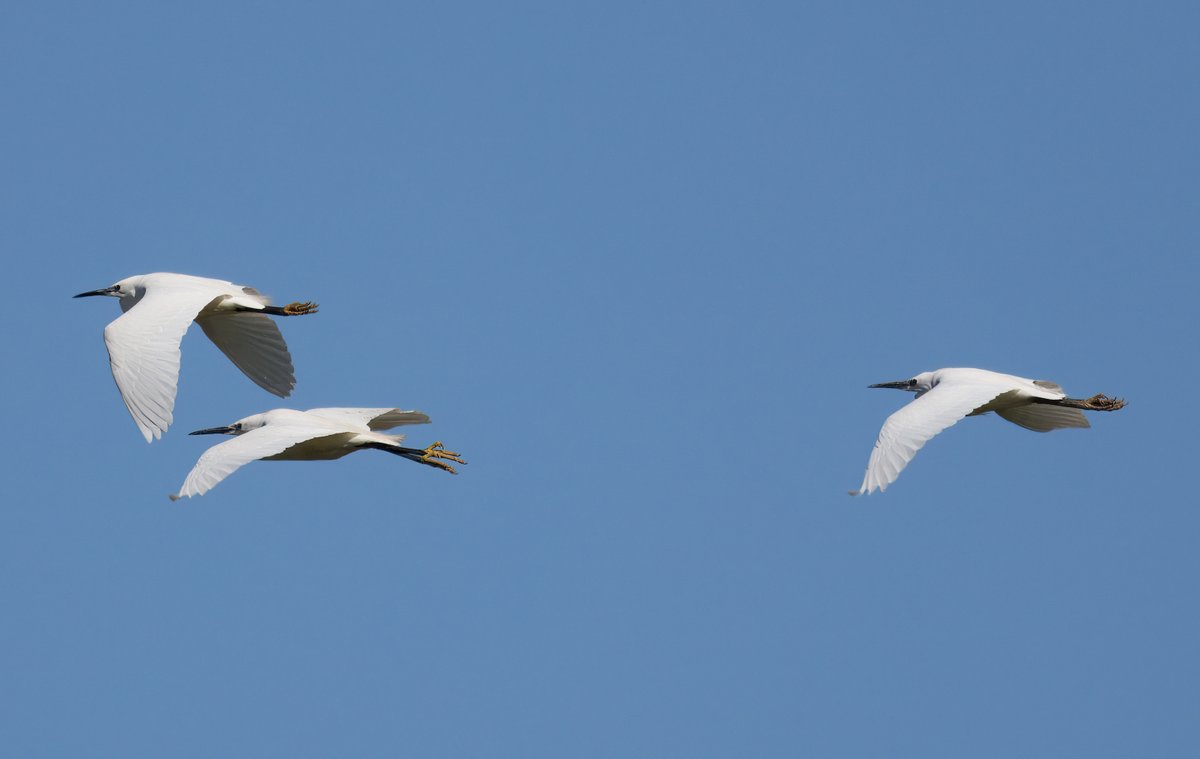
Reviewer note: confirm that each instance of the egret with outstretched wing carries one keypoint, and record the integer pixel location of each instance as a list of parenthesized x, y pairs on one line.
[(143, 343), (947, 395), (318, 434)]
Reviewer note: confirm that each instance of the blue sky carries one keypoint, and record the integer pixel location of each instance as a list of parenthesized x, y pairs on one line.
[(639, 263)]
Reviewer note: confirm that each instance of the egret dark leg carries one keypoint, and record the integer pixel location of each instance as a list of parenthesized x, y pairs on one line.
[(1098, 402), (291, 309), (431, 456)]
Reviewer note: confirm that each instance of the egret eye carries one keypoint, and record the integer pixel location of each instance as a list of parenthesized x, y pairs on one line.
[(912, 383), (238, 426)]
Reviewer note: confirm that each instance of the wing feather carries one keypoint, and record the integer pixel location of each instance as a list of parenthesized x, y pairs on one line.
[(1043, 418), (225, 458), (906, 431), (253, 343), (143, 352)]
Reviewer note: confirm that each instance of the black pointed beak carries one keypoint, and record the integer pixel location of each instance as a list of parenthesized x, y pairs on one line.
[(103, 291), (903, 385), (214, 431)]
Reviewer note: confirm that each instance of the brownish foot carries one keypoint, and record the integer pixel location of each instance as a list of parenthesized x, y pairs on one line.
[(1101, 402), (300, 309), (436, 452)]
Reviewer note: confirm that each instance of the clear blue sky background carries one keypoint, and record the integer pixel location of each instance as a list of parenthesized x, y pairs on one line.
[(639, 262)]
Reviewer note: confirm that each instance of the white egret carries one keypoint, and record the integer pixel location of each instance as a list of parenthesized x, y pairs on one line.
[(143, 343), (318, 434), (947, 395)]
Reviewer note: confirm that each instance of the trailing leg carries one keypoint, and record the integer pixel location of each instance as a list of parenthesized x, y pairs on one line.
[(1098, 402), (291, 309), (431, 456)]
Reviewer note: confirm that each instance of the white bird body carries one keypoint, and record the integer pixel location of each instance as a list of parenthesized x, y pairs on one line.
[(1014, 391), (338, 431), (319, 434), (947, 395), (143, 343)]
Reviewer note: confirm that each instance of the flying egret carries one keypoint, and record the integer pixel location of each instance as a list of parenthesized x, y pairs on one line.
[(947, 395), (143, 343), (318, 434)]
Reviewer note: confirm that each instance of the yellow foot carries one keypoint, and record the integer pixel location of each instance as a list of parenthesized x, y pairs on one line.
[(436, 452), (1101, 402), (299, 309)]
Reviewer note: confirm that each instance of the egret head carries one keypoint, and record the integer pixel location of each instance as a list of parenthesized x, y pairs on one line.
[(922, 383), (239, 427), (126, 288)]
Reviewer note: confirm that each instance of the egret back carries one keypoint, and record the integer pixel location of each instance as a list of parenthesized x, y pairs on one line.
[(373, 418)]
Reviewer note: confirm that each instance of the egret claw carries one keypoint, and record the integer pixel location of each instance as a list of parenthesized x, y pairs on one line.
[(434, 453), (1101, 402), (299, 309)]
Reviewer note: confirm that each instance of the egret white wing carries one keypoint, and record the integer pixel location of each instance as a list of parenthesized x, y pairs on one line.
[(224, 459), (143, 352), (907, 430), (1043, 418), (252, 341), (374, 418)]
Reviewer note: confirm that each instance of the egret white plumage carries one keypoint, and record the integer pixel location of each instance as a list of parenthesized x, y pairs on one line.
[(947, 395), (143, 343), (315, 435)]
